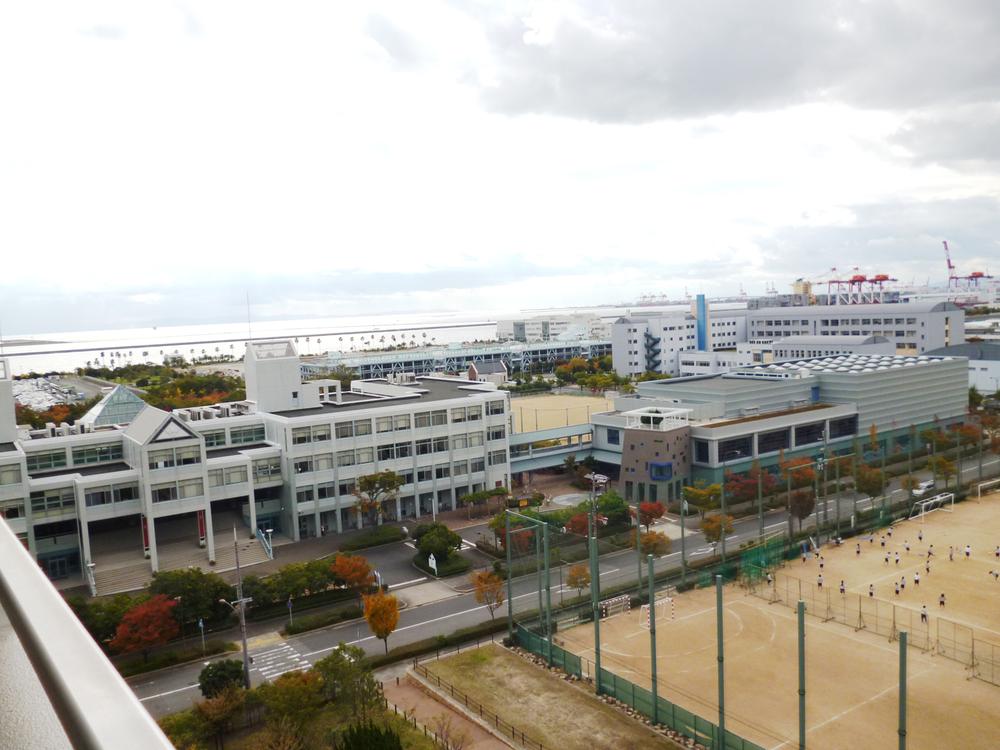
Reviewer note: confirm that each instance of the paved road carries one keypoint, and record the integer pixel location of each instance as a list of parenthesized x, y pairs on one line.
[(175, 689)]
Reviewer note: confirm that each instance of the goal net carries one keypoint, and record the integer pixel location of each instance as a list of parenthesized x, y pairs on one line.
[(663, 609), (986, 487), (945, 501), (616, 605)]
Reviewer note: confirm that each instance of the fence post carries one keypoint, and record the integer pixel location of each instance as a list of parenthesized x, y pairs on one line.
[(548, 591), (902, 690), (595, 595), (721, 659), (510, 585), (802, 674), (652, 637)]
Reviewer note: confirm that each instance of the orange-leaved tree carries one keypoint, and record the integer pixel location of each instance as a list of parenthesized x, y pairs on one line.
[(150, 623), (489, 590), (715, 525), (354, 572), (578, 578), (654, 543), (382, 614)]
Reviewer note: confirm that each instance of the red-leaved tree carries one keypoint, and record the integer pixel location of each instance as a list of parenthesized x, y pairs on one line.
[(148, 624), (649, 512), (577, 524)]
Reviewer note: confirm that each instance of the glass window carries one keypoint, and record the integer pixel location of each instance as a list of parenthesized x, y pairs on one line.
[(844, 427), (498, 457), (474, 413), (458, 415), (424, 474), (303, 465), (236, 475), (614, 437), (161, 459), (97, 454), (460, 468), (214, 438), (363, 427), (323, 461), (495, 407), (475, 439), (735, 448), (477, 464), (383, 424), (10, 474), (190, 488), (301, 435), (97, 496), (320, 433), (11, 509), (305, 495), (496, 433), (774, 440), (163, 492), (423, 447), (215, 477), (325, 490), (386, 452), (244, 435), (346, 488), (190, 454), (345, 458), (439, 417), (422, 419), (460, 441), (442, 472), (440, 445), (124, 492), (47, 460), (345, 430), (402, 421), (808, 433), (365, 455)]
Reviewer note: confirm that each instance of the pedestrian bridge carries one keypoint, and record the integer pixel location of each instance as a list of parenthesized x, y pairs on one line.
[(544, 449)]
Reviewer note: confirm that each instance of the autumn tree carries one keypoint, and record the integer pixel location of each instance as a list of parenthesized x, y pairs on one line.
[(374, 490), (577, 524), (151, 623), (295, 697), (219, 711), (800, 470), (703, 496), (489, 590), (869, 481), (354, 572), (873, 440), (382, 615), (715, 525), (942, 467), (801, 504), (654, 543), (742, 488), (578, 578), (909, 483), (649, 512)]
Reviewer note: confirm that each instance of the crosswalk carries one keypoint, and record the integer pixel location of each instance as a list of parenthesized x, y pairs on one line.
[(276, 661)]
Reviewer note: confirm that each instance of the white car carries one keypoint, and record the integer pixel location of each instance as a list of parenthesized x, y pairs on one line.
[(923, 488)]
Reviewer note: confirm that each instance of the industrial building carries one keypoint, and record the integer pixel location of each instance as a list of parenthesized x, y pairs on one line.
[(983, 363), (684, 429), (569, 327), (133, 489)]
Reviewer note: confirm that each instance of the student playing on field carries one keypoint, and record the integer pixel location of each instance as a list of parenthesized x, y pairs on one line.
[(819, 580), (871, 590), (941, 600), (916, 578), (968, 551), (843, 590), (923, 613)]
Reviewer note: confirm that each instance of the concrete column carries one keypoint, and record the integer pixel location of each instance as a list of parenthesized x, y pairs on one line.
[(399, 508), (252, 499), (316, 514), (154, 562), (340, 528), (209, 531), (84, 535)]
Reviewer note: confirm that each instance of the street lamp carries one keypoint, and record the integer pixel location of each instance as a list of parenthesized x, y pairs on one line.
[(239, 606)]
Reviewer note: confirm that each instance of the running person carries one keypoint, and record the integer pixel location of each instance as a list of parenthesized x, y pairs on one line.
[(916, 578), (923, 613), (941, 600), (897, 559), (857, 549), (951, 554), (968, 551), (920, 535), (897, 588), (819, 580), (906, 545), (843, 590)]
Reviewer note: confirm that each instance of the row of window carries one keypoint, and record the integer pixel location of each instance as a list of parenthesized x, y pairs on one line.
[(185, 488), (220, 477), (97, 454), (237, 436), (11, 509), (110, 494), (52, 502), (167, 457), (423, 474)]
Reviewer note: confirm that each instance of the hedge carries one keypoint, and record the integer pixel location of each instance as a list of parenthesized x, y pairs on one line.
[(312, 622), (279, 609), (373, 537), (452, 565), (170, 658), (429, 645)]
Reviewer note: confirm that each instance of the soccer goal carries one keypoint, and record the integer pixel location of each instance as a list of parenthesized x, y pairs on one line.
[(985, 487), (945, 501), (616, 605), (663, 610)]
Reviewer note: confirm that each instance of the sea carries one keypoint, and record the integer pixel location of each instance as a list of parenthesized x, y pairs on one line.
[(68, 350)]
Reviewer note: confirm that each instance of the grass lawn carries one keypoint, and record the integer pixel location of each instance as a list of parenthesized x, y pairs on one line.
[(556, 713)]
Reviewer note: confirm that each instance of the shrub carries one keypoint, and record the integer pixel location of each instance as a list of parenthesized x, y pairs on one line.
[(373, 537), (312, 622), (449, 566), (219, 675)]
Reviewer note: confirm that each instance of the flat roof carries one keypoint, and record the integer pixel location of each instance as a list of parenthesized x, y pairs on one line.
[(841, 363), (765, 415), (4, 447), (889, 308), (83, 470), (235, 449), (976, 350), (424, 390)]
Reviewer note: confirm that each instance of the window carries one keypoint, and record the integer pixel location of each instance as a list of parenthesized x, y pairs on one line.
[(236, 475), (320, 433), (407, 476), (47, 460), (97, 454), (496, 433), (498, 457), (323, 462), (345, 458), (190, 488), (442, 472), (124, 492), (363, 427), (458, 415), (495, 407), (614, 436), (162, 459), (305, 495), (11, 509), (215, 478), (52, 502), (214, 438), (164, 492), (345, 430), (441, 445), (401, 422), (10, 474), (425, 474), (460, 468), (477, 464), (474, 413), (365, 455), (301, 435), (188, 455), (423, 447), (439, 417), (383, 424), (843, 427), (475, 439), (735, 448), (266, 469), (808, 433), (325, 490), (97, 496), (347, 488), (422, 419), (774, 440), (661, 472), (386, 452), (460, 441), (244, 435)]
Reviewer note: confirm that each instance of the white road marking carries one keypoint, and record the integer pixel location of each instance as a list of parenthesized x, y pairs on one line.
[(407, 583), (169, 692)]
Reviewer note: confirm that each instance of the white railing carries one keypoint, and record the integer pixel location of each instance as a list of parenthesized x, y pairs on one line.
[(57, 689), (266, 544)]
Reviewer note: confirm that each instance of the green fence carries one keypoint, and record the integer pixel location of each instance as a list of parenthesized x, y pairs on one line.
[(669, 714)]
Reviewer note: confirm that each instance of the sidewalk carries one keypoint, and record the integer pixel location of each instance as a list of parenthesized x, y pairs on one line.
[(409, 696)]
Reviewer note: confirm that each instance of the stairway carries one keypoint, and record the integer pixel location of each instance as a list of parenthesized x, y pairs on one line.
[(122, 578), (251, 552)]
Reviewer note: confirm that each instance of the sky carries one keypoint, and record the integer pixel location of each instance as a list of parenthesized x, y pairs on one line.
[(162, 161)]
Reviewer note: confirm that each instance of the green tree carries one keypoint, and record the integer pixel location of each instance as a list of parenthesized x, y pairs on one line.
[(294, 696), (343, 672), (219, 710), (374, 490), (260, 590), (101, 616), (187, 730), (197, 592), (218, 675), (869, 481), (369, 736), (975, 398), (438, 540)]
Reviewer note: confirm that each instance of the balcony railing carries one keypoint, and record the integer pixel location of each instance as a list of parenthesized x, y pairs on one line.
[(57, 689)]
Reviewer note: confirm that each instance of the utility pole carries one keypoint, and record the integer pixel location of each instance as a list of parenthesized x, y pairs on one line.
[(721, 660), (802, 674), (652, 638), (239, 606)]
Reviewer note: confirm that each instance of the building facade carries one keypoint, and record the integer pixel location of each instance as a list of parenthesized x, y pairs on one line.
[(285, 462)]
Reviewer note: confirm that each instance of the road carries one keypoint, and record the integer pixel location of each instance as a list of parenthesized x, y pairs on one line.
[(174, 689)]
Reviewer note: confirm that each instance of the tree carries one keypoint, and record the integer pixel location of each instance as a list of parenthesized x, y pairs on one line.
[(374, 490), (294, 696), (577, 524), (800, 470), (343, 672), (703, 496), (654, 543), (198, 592), (449, 736), (869, 481), (873, 441), (742, 488), (715, 525), (101, 616), (975, 398), (219, 710), (942, 467), (382, 615), (801, 504), (909, 483), (649, 512), (489, 590), (260, 590), (369, 736), (578, 578), (354, 572), (148, 624), (438, 540), (186, 729), (218, 675)]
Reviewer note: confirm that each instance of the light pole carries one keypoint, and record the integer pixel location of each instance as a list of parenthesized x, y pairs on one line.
[(239, 606)]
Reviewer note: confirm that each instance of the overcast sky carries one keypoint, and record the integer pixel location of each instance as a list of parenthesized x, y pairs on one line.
[(160, 160)]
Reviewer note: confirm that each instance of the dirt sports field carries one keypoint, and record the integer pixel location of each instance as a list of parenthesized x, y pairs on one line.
[(852, 659), (545, 412)]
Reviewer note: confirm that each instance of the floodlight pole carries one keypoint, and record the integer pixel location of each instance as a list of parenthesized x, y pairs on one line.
[(652, 638), (595, 595), (902, 690), (721, 659), (722, 510), (510, 576), (548, 590), (760, 499), (802, 674)]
